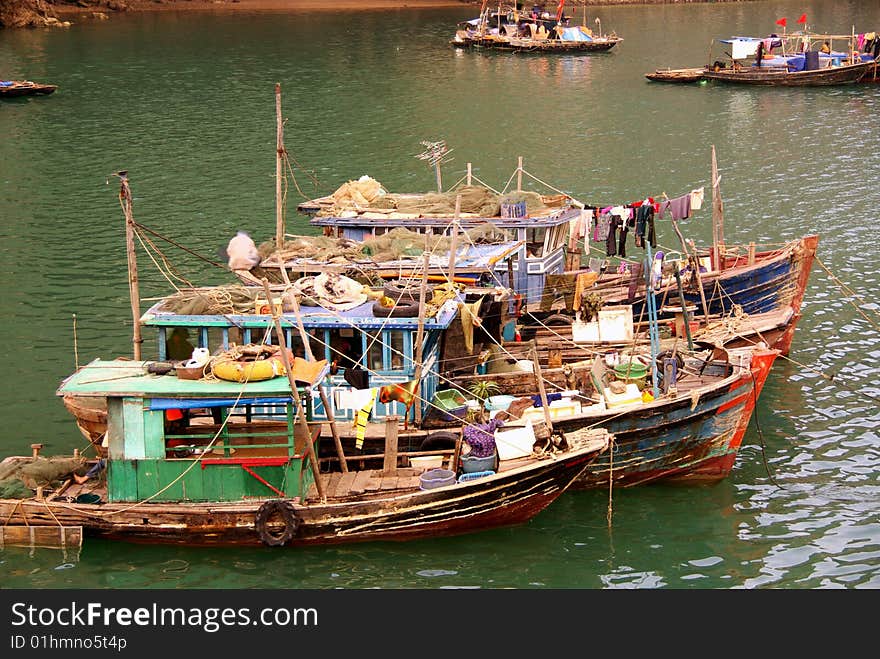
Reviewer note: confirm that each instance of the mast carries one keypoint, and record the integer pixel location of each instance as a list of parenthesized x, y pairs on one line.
[(133, 288), (279, 157), (717, 215)]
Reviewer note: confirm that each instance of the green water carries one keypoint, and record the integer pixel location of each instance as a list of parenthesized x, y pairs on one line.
[(185, 103)]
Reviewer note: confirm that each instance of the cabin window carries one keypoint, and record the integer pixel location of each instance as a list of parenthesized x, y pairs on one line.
[(535, 242), (396, 350), (373, 349)]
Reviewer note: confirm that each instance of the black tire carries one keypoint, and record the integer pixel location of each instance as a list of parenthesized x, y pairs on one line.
[(402, 310), (405, 292), (437, 441), (557, 319), (288, 516)]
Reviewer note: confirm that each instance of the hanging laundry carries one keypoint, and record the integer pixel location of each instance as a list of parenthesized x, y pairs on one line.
[(361, 422), (611, 241), (405, 393), (679, 207), (645, 226), (603, 226), (697, 199)]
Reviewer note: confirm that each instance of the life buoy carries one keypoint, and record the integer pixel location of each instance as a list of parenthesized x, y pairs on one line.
[(265, 512), (234, 370)]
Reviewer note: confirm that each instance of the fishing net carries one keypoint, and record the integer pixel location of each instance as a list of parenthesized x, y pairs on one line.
[(229, 299), (18, 479)]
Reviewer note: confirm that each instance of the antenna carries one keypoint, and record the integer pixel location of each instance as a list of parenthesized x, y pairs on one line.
[(435, 153)]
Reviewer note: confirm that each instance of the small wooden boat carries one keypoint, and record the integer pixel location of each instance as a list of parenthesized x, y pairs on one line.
[(676, 75), (15, 88)]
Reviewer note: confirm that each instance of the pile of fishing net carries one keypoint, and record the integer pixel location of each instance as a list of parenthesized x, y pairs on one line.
[(476, 201), (220, 300), (19, 478)]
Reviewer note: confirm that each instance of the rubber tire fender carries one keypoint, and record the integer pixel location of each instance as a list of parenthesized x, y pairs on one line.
[(287, 513), (441, 439), (402, 310)]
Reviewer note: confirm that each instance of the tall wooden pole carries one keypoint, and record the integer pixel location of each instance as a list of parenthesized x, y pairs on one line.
[(279, 163), (717, 214), (420, 333), (536, 367), (301, 413), (304, 337), (519, 174), (133, 288), (453, 245)]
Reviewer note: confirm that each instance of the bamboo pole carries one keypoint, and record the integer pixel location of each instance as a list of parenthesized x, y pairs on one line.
[(469, 174), (453, 247), (420, 334), (717, 212), (536, 367), (301, 414), (519, 171), (133, 287), (303, 335), (695, 264), (279, 157)]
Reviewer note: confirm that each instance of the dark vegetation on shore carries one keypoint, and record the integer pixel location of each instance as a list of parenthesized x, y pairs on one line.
[(45, 13)]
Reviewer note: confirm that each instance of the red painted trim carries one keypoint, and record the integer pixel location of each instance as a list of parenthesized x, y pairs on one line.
[(247, 462)]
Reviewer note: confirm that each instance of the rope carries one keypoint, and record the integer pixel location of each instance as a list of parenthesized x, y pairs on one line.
[(849, 291)]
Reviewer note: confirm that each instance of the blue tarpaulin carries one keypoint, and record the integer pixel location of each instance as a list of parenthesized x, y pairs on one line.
[(195, 403)]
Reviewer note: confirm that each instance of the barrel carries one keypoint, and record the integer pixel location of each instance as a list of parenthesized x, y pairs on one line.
[(811, 60)]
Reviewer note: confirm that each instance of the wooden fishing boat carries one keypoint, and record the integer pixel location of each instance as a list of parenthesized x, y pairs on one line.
[(691, 432), (16, 88), (234, 481), (509, 29), (676, 75), (751, 61), (781, 77)]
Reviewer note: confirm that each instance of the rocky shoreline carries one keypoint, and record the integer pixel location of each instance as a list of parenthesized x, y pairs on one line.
[(57, 13)]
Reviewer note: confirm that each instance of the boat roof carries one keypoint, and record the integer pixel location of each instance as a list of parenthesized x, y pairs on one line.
[(124, 378), (366, 218), (479, 258), (360, 317)]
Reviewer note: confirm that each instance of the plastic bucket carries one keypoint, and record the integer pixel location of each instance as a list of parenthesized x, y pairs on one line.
[(470, 465), (434, 478)]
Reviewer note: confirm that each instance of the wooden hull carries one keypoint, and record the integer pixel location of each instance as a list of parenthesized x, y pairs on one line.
[(675, 75), (832, 75), (26, 88), (677, 440), (512, 44), (503, 499), (775, 280)]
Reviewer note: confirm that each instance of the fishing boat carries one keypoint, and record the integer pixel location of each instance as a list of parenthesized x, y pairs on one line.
[(719, 282), (539, 222), (751, 62), (243, 470), (16, 88), (512, 30), (676, 75)]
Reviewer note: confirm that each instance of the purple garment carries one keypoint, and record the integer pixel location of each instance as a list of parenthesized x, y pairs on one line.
[(480, 437), (680, 207)]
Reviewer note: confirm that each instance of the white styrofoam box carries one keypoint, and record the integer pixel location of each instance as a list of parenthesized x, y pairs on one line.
[(615, 323), (631, 394), (515, 442)]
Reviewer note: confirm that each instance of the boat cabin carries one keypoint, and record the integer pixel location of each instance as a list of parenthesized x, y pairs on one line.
[(172, 439), (542, 239)]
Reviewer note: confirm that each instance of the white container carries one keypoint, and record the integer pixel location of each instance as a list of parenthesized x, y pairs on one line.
[(614, 324), (426, 461), (516, 442), (630, 395)]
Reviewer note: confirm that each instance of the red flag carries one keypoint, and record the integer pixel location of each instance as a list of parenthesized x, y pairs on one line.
[(559, 11), (781, 22), (803, 18)]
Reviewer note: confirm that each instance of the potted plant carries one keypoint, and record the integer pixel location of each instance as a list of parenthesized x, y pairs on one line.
[(482, 390)]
